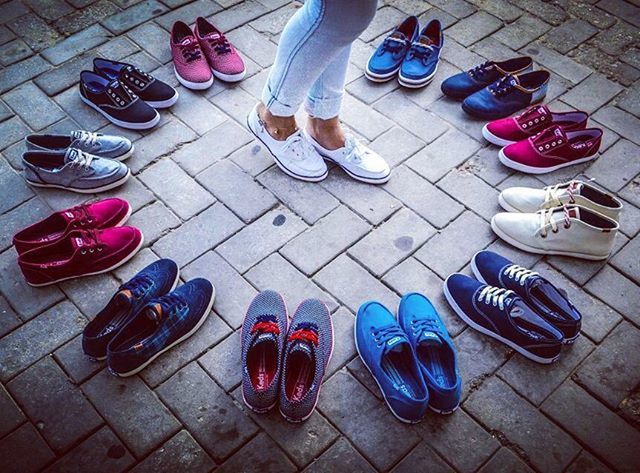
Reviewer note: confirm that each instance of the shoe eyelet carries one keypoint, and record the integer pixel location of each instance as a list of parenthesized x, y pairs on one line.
[(83, 252), (524, 125), (555, 231), (91, 250), (540, 148), (567, 226), (543, 236)]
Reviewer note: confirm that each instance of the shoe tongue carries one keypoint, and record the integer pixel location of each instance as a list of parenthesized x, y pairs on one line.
[(430, 339), (76, 134), (559, 132), (574, 212), (395, 344), (154, 312), (300, 346), (514, 80), (78, 242)]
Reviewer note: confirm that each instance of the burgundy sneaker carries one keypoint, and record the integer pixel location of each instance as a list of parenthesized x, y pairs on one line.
[(95, 215), (552, 149), (81, 253), (189, 64), (510, 130), (225, 62)]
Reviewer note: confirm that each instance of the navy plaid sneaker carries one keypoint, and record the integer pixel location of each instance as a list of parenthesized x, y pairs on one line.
[(306, 357), (160, 325), (263, 334), (153, 281)]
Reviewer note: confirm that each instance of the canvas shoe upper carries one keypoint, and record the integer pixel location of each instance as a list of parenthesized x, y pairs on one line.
[(357, 160), (95, 215), (153, 91), (190, 65), (296, 156), (385, 62), (81, 253), (226, 64), (434, 350), (421, 62), (160, 325), (463, 84), (73, 170), (155, 280), (569, 230), (97, 144), (264, 332), (538, 292), (507, 95), (306, 357), (552, 149), (389, 356), (584, 194), (529, 123), (503, 315)]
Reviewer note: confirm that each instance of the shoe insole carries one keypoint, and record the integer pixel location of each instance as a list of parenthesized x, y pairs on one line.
[(300, 371), (401, 372), (262, 364), (116, 322), (438, 364)]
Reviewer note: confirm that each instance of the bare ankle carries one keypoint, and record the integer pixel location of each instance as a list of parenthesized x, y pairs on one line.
[(279, 128), (328, 132)]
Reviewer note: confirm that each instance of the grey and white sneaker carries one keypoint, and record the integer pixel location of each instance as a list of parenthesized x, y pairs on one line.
[(97, 144), (73, 170), (358, 161), (296, 156)]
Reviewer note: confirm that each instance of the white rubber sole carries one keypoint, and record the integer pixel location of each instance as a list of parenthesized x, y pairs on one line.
[(503, 203), (372, 76), (367, 180), (193, 85), (540, 251), (229, 77), (416, 83), (493, 139), (121, 123), (481, 329), (164, 103), (533, 170), (169, 347), (126, 155), (113, 185), (115, 266), (126, 217)]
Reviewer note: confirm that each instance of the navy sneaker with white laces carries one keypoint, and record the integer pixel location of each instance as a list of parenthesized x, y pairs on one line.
[(385, 61), (421, 62), (547, 300), (503, 315)]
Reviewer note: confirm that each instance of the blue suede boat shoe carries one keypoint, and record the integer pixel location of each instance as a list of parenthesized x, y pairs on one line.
[(421, 62), (385, 62), (97, 144)]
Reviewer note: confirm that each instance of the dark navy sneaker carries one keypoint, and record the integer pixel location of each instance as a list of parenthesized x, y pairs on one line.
[(264, 331), (116, 102), (306, 357), (503, 315), (160, 325), (97, 144), (385, 62), (421, 62), (389, 356), (155, 280), (508, 95), (153, 91), (547, 300), (434, 349), (463, 84)]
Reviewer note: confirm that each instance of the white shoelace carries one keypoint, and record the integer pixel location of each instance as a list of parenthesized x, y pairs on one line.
[(299, 146), (86, 138), (495, 296), (81, 160), (519, 273), (355, 151), (546, 219)]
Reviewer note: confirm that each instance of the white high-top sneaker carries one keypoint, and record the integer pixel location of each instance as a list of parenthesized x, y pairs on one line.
[(569, 231), (295, 155), (527, 199)]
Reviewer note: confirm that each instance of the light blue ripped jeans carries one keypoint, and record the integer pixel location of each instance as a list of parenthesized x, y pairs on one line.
[(313, 56)]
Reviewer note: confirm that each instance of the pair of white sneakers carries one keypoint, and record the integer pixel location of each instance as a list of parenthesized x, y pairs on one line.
[(573, 218), (302, 157)]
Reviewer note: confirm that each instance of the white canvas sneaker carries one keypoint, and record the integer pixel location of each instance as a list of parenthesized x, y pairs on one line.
[(358, 161), (569, 231), (527, 199), (295, 155)]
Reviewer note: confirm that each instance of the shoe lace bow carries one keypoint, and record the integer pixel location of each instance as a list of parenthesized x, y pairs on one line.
[(220, 44), (299, 146), (354, 150), (87, 139), (80, 159), (424, 325), (503, 86), (519, 273), (393, 44), (191, 52), (495, 296), (420, 51)]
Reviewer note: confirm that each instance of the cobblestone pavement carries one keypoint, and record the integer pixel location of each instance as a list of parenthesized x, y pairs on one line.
[(207, 195)]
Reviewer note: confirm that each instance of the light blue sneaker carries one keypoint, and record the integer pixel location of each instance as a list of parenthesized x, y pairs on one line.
[(73, 170), (434, 349), (97, 144), (388, 355), (421, 62), (385, 62)]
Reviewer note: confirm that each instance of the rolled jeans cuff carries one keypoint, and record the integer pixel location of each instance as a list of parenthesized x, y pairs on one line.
[(276, 107), (323, 108)]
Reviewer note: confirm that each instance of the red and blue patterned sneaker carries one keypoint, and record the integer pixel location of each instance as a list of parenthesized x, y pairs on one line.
[(95, 215), (263, 337), (306, 357), (532, 121), (552, 149)]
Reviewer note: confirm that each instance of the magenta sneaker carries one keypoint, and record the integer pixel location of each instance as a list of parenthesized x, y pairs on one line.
[(189, 63), (225, 62), (510, 130)]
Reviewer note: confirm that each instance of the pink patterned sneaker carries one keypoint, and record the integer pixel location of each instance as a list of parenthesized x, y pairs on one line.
[(225, 62), (532, 121), (189, 63)]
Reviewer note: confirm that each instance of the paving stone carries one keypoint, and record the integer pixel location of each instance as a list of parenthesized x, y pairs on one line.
[(14, 51), (254, 45), (253, 158), (425, 96), (8, 319), (12, 416), (337, 231), (251, 459), (396, 145), (62, 413), (505, 462), (493, 49), (133, 192), (197, 112), (76, 364), (155, 221), (132, 410), (547, 446), (615, 168), (558, 63), (629, 100), (385, 20), (485, 165), (474, 28), (601, 430), (222, 362), (103, 452), (22, 71), (587, 463), (341, 455), (451, 111), (62, 77), (422, 457), (366, 421), (391, 242), (368, 92), (76, 44), (237, 190), (592, 93), (11, 131), (34, 31), (133, 16), (85, 16), (522, 32), (456, 241), (617, 39), (344, 348), (472, 192), (617, 291), (459, 56), (16, 192), (457, 8), (70, 102), (24, 451), (626, 261), (619, 121), (570, 34), (178, 454), (363, 119), (198, 235), (242, 13), (188, 12), (152, 38), (207, 412), (12, 9)]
